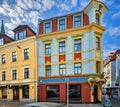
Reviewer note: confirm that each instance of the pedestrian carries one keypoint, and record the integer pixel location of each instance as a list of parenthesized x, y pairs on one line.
[(119, 94)]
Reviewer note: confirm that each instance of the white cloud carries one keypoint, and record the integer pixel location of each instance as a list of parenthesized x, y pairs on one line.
[(74, 3), (47, 4), (114, 31), (116, 15), (112, 48)]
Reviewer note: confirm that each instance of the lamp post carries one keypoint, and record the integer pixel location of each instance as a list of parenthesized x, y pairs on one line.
[(67, 80)]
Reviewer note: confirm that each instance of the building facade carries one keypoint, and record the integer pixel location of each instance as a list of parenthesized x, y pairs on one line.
[(18, 71), (112, 71), (69, 52)]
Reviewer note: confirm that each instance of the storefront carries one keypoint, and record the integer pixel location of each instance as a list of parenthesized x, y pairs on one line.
[(56, 89)]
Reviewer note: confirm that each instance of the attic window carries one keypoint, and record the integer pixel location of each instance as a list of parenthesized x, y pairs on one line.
[(97, 18), (1, 41), (20, 35)]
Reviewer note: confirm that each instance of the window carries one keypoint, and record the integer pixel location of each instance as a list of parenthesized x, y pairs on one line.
[(97, 19), (48, 70), (20, 35), (3, 76), (1, 41), (3, 59), (77, 45), (62, 24), (25, 91), (62, 69), (26, 53), (62, 47), (77, 21), (77, 68), (97, 67), (26, 73), (97, 43), (14, 74), (14, 56), (47, 27), (47, 49)]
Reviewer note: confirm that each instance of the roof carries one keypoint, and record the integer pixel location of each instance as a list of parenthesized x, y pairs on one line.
[(20, 27), (4, 35)]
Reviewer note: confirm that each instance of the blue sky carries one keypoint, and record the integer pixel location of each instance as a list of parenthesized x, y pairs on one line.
[(15, 12)]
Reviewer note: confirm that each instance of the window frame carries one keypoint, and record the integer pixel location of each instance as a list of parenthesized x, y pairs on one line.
[(62, 69), (14, 74), (26, 53), (1, 41), (98, 43), (26, 73), (3, 59), (77, 45), (62, 26), (47, 29), (3, 75), (62, 47), (14, 56), (48, 49), (97, 18), (77, 68), (74, 25), (48, 70)]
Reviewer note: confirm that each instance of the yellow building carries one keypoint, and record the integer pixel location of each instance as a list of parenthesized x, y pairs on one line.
[(18, 73)]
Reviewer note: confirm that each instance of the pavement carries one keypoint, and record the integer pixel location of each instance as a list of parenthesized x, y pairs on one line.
[(115, 103)]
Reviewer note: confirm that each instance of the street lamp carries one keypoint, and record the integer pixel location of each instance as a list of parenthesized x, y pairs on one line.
[(67, 80)]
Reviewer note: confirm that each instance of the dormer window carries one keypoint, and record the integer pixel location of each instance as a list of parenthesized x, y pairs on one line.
[(77, 21), (21, 35), (1, 41), (97, 19), (47, 28), (61, 24)]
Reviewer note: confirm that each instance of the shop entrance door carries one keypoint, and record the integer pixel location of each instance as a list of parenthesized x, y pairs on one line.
[(15, 94), (95, 94)]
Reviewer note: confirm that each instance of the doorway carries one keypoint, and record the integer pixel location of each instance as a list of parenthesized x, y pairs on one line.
[(95, 94), (15, 94)]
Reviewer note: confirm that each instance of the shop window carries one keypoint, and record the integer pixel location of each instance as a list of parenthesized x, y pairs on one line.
[(4, 92), (75, 93), (25, 91), (53, 92)]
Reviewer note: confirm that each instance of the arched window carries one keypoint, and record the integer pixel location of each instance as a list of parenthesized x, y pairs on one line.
[(97, 18)]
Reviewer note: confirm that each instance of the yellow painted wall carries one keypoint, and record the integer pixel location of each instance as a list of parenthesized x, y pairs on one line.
[(19, 65)]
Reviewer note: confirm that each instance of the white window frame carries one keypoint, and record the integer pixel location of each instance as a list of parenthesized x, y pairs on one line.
[(1, 41), (50, 26), (65, 23), (12, 73), (80, 14), (24, 72)]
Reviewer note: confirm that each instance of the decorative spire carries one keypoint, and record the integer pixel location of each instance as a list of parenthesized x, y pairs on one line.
[(2, 28)]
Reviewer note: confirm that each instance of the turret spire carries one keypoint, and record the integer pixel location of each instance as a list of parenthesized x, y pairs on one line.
[(2, 28)]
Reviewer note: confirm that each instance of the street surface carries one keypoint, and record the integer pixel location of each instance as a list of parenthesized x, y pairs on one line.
[(115, 103)]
